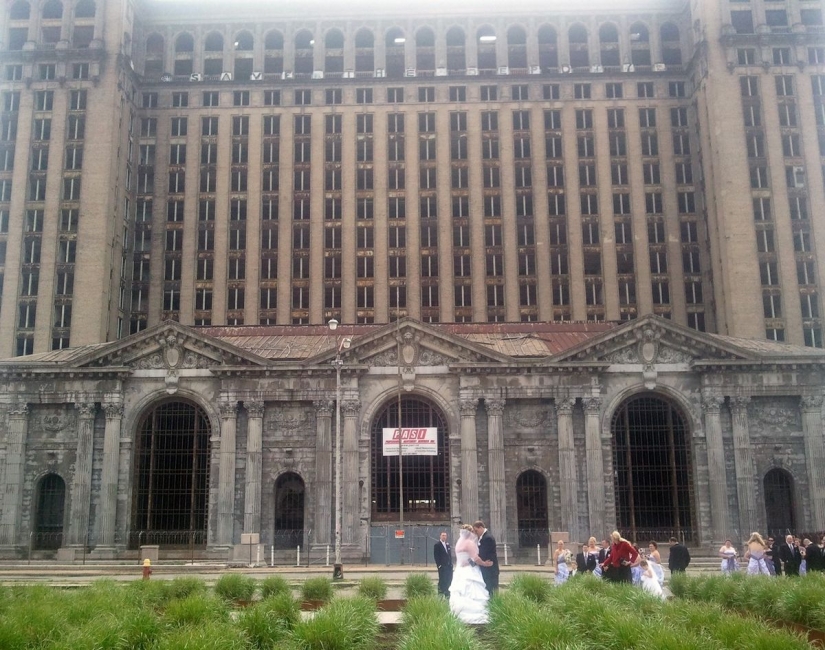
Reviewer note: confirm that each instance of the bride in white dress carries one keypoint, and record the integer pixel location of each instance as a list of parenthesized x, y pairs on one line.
[(468, 593)]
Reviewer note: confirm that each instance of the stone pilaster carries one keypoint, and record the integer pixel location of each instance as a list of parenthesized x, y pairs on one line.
[(226, 474), (469, 461), (568, 479), (719, 517), (595, 462), (349, 472), (17, 428), (82, 480), (495, 467), (254, 446), (814, 457), (323, 472), (107, 521), (743, 458)]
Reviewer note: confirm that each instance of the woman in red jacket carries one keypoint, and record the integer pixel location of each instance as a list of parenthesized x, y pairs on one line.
[(622, 556)]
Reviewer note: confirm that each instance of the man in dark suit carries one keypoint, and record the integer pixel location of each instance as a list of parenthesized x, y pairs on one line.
[(444, 564), (813, 557), (772, 558), (790, 555), (488, 556), (679, 557), (604, 551)]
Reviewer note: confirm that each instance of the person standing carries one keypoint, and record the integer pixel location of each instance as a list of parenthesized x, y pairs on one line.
[(622, 556), (815, 557), (756, 556), (790, 556), (728, 554), (772, 558), (679, 557), (562, 567), (444, 564), (489, 556), (604, 551)]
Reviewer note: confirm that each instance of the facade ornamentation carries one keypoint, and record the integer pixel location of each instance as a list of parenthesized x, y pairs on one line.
[(712, 403), (192, 360), (565, 406), (351, 408), (54, 422), (592, 405), (468, 407), (228, 409), (254, 409), (773, 417), (812, 402), (86, 409), (624, 355), (672, 355), (151, 362), (429, 357), (739, 403), (528, 417), (324, 408), (288, 419), (494, 407), (18, 410), (387, 358), (113, 410)]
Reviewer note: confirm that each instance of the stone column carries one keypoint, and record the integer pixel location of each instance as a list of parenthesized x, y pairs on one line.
[(107, 521), (815, 457), (719, 517), (568, 481), (82, 480), (595, 463), (743, 457), (469, 461), (254, 446), (18, 423), (350, 516), (323, 472), (226, 474), (495, 468)]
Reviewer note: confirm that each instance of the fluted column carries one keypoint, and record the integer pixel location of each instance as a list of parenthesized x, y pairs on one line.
[(349, 471), (323, 472), (82, 480), (18, 423), (469, 461), (711, 405), (226, 474), (495, 467), (743, 458), (254, 446), (107, 521), (815, 457), (595, 462), (567, 467)]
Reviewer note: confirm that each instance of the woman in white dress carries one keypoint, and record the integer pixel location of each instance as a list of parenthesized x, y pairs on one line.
[(562, 567), (649, 581), (468, 593), (730, 564), (756, 556), (654, 560)]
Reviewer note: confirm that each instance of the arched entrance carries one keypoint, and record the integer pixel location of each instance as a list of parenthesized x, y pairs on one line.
[(48, 518), (531, 506), (289, 511), (426, 479), (779, 502), (652, 470), (171, 487)]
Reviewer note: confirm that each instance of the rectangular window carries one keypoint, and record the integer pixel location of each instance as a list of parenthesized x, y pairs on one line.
[(489, 93), (272, 98), (395, 95), (614, 90), (179, 127), (303, 97), (363, 95), (458, 93), (180, 100), (333, 96), (644, 89), (551, 91), (581, 91)]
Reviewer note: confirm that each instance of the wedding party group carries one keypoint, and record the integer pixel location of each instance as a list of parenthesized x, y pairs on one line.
[(793, 556)]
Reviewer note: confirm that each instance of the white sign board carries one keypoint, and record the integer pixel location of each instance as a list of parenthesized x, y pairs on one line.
[(416, 442)]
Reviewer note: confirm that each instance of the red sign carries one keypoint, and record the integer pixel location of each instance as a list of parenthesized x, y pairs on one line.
[(399, 534), (415, 442)]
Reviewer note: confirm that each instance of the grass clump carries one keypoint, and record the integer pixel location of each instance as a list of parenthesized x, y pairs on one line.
[(211, 635), (194, 610), (273, 586), (235, 587), (185, 586), (318, 588), (372, 587), (344, 624), (533, 587), (418, 584), (262, 628)]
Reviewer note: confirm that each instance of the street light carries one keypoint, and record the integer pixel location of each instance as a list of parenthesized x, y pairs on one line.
[(341, 343)]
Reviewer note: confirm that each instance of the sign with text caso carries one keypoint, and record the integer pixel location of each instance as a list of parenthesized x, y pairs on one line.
[(416, 442)]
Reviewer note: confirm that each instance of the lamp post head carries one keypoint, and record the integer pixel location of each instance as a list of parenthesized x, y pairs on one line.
[(332, 324)]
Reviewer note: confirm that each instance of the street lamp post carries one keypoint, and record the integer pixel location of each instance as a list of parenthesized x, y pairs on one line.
[(338, 362)]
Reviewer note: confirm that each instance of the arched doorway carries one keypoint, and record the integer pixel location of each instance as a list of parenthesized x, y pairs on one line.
[(48, 518), (171, 487), (426, 479), (531, 506), (289, 511), (779, 502), (652, 470)]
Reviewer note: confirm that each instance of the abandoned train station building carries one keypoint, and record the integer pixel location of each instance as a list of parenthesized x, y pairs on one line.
[(574, 245)]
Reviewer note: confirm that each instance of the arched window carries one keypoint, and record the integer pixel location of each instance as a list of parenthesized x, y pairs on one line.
[(548, 48), (334, 55), (671, 44), (517, 47), (155, 45), (780, 508), (171, 486), (213, 42), (334, 39), (85, 9), (609, 45), (652, 470), (531, 506), (20, 10), (53, 10), (486, 37), (364, 50), (394, 40), (49, 513), (304, 42), (456, 50), (274, 40), (244, 42), (425, 49), (289, 511), (579, 52), (639, 44), (184, 43), (426, 481)]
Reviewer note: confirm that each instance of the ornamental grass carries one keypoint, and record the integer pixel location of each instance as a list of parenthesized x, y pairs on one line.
[(418, 584), (235, 587), (318, 588), (428, 624), (343, 624), (372, 587), (274, 586)]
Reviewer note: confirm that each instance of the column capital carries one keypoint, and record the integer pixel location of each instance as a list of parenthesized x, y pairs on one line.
[(113, 410), (351, 407), (712, 402), (494, 406), (592, 405), (565, 406), (324, 408), (812, 403), (739, 403), (20, 410), (254, 409), (468, 406), (86, 409), (228, 409)]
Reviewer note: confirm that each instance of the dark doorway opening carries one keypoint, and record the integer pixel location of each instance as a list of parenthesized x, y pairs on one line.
[(531, 504), (779, 503), (289, 511), (51, 500)]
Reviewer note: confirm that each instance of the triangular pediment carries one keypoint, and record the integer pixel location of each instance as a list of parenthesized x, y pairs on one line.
[(654, 340), (169, 346), (417, 344)]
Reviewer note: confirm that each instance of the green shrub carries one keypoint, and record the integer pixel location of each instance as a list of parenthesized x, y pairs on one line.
[(420, 608), (195, 610), (418, 584), (517, 623), (318, 588), (372, 587), (211, 635), (262, 627), (153, 593), (235, 587), (274, 585), (532, 587), (438, 633), (184, 586), (344, 624)]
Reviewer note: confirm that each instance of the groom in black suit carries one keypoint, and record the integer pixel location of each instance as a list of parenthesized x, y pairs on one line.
[(487, 555), (444, 564)]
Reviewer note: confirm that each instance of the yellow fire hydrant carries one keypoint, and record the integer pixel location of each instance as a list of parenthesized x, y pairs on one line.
[(147, 568)]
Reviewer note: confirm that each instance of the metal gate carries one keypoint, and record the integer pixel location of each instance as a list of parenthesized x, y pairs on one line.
[(387, 546)]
